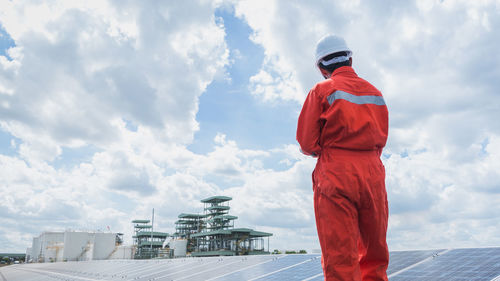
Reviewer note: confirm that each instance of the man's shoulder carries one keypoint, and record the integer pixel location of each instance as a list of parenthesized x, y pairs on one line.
[(324, 86), (365, 86), (352, 84), (355, 83)]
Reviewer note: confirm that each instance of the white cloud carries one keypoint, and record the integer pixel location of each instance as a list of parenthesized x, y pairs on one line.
[(283, 40), (79, 66), (125, 78), (433, 194)]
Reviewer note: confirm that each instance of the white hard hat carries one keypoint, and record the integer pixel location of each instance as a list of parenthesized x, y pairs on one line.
[(330, 44)]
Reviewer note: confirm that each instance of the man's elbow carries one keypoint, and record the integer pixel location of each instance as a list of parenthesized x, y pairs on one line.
[(308, 144), (310, 150)]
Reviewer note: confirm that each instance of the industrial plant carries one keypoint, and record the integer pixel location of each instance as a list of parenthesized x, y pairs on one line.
[(211, 233)]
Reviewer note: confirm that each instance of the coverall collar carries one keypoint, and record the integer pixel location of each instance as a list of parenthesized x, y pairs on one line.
[(345, 71)]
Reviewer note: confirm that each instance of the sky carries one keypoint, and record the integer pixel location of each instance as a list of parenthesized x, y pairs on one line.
[(109, 109)]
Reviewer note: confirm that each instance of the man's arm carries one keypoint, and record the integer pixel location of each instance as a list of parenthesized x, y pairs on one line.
[(309, 125)]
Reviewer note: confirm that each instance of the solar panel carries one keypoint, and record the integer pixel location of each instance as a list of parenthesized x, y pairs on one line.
[(266, 270), (244, 263), (432, 265), (399, 260), (454, 265), (306, 269)]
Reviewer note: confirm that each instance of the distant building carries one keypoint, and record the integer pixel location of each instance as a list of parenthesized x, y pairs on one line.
[(77, 246)]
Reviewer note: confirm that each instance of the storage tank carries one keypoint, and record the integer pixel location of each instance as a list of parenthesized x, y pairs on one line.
[(48, 241), (104, 245), (122, 253), (54, 251), (179, 246), (76, 246), (36, 248)]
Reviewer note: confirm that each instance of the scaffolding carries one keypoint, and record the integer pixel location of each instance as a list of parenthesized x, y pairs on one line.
[(148, 243), (213, 233), (216, 210), (189, 224)]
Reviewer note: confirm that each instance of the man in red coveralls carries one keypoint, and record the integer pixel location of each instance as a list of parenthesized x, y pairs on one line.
[(344, 122)]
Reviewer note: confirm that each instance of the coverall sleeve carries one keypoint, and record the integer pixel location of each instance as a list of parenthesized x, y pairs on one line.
[(309, 125)]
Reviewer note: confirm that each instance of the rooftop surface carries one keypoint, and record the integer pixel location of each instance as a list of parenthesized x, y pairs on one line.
[(475, 264)]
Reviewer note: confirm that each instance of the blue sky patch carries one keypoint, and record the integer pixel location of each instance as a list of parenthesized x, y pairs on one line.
[(228, 107), (71, 157), (6, 144), (6, 42)]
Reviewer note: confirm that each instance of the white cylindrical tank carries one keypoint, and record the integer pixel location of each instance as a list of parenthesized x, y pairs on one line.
[(104, 245), (29, 252), (179, 246), (76, 246), (36, 249), (123, 253), (49, 241)]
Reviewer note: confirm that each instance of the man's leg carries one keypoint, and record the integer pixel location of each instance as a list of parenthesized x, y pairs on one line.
[(373, 218), (337, 224)]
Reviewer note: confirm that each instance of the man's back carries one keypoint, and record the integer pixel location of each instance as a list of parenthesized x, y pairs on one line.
[(352, 114)]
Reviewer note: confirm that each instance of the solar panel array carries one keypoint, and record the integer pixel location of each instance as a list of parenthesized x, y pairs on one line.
[(450, 265)]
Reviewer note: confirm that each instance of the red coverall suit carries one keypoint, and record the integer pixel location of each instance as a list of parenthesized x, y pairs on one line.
[(344, 121)]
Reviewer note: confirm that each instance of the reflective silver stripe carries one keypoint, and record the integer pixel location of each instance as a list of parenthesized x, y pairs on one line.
[(377, 100)]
